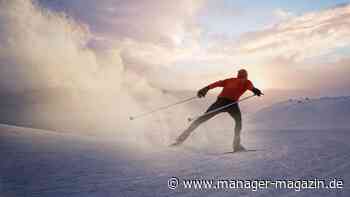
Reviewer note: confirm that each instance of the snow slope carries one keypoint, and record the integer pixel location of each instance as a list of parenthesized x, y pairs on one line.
[(320, 113), (48, 164)]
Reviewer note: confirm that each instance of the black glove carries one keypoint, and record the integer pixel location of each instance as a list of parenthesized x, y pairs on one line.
[(202, 92), (257, 92)]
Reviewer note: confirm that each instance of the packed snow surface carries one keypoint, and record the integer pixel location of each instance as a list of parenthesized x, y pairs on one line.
[(49, 164)]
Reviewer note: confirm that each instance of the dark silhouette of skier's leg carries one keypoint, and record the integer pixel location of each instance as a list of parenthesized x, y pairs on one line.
[(184, 135), (235, 113)]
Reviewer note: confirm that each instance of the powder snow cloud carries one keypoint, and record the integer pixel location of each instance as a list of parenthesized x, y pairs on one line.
[(160, 44)]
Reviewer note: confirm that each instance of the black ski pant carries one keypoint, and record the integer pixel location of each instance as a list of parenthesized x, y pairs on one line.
[(233, 110)]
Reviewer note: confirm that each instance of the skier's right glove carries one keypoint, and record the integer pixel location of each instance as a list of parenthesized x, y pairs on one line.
[(257, 92), (202, 92)]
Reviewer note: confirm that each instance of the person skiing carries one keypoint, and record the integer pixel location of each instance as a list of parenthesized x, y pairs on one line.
[(233, 88)]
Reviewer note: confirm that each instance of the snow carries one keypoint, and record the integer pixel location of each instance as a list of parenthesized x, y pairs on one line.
[(44, 163), (306, 113)]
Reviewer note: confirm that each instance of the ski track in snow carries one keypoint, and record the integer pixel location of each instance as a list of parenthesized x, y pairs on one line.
[(48, 164)]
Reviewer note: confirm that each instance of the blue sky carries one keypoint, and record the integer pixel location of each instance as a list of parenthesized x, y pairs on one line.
[(251, 16), (221, 24), (230, 18), (281, 44)]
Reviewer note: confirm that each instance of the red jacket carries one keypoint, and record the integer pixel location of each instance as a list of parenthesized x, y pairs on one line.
[(233, 88)]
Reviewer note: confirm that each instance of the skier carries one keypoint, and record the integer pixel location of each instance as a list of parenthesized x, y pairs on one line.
[(233, 88)]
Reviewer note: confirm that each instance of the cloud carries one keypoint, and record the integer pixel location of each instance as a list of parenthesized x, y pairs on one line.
[(299, 52), (307, 36), (283, 14), (324, 78), (152, 35), (220, 10), (157, 21), (153, 43)]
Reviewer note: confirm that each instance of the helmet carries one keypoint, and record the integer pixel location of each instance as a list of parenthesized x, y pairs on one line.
[(242, 74)]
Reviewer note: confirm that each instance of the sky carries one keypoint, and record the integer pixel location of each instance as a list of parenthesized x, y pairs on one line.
[(174, 45), (248, 16)]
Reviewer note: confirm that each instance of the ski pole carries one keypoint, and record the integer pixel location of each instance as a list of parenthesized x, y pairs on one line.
[(161, 108), (220, 108)]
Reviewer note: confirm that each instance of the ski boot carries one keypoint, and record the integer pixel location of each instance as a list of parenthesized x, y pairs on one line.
[(176, 143), (237, 147), (181, 138)]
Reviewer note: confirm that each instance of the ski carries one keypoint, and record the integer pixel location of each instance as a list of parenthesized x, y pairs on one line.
[(241, 151)]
